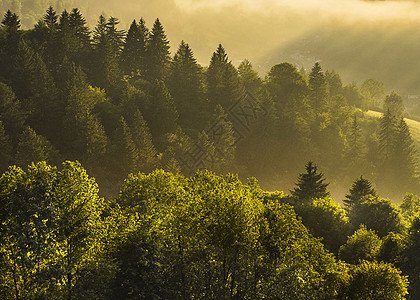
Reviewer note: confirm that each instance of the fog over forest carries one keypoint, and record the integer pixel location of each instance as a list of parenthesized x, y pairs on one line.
[(226, 149), (344, 35)]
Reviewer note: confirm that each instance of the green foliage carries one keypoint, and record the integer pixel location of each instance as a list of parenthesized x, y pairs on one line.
[(375, 281), (327, 220), (353, 95), (360, 188), (394, 103), (410, 258), (364, 244), (223, 82), (11, 113), (222, 241), (157, 53), (32, 147), (286, 86), (335, 85), (162, 115), (107, 40), (391, 248), (310, 185), (107, 100), (410, 206), (405, 156), (250, 79), (373, 91), (185, 84), (133, 55), (318, 88), (6, 151), (377, 214), (51, 232)]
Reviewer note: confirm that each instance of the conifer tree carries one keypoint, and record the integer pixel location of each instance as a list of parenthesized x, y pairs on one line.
[(115, 35), (310, 185), (186, 87), (158, 55), (335, 85), (223, 83), (359, 189), (162, 116), (133, 55), (37, 90), (9, 42), (6, 149), (387, 135), (223, 140), (107, 42), (318, 88), (80, 35), (51, 19), (83, 135), (405, 156), (355, 149), (12, 115), (50, 43), (355, 139), (250, 79), (147, 154), (126, 149), (33, 148)]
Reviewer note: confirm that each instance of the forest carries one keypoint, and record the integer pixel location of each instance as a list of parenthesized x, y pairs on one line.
[(119, 165)]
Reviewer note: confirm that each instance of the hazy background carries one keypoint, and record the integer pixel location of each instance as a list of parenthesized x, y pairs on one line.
[(359, 39)]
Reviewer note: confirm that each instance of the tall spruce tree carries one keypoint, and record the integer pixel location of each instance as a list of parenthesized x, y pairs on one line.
[(318, 88), (310, 185), (355, 139), (387, 132), (134, 52), (405, 155), (127, 154), (10, 34), (359, 189), (162, 116), (50, 39), (223, 82), (83, 135), (37, 90), (107, 40), (185, 84), (147, 154), (51, 19), (115, 35), (158, 55)]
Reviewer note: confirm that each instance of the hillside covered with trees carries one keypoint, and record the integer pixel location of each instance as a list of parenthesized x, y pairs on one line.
[(151, 128)]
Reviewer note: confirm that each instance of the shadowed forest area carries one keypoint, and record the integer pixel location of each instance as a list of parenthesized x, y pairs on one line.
[(117, 159)]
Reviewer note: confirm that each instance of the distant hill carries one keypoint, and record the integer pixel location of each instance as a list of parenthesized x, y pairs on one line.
[(388, 53)]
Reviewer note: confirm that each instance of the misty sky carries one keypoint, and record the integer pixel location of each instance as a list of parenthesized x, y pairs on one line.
[(359, 39), (253, 28)]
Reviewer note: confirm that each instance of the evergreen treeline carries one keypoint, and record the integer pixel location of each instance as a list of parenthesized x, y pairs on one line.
[(167, 236), (119, 102)]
